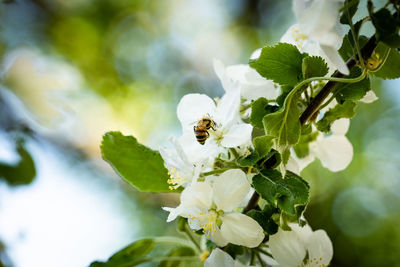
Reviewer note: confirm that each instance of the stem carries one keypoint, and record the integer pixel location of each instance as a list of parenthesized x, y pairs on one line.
[(214, 172), (252, 202), (172, 258), (264, 252), (355, 38), (366, 51), (189, 234), (252, 258), (260, 260)]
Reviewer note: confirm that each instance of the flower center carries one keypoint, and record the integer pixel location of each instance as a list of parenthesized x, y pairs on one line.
[(298, 37), (208, 221), (175, 179)]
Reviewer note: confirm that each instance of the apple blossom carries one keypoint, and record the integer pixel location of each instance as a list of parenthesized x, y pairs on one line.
[(213, 209)]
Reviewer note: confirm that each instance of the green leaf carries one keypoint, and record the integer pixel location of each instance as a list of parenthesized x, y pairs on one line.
[(301, 148), (290, 194), (270, 161), (259, 109), (280, 63), (352, 91), (285, 124), (140, 166), (345, 110), (23, 172), (264, 218), (180, 251), (314, 67), (349, 9), (263, 145), (346, 51), (391, 68), (386, 25), (285, 90), (131, 255)]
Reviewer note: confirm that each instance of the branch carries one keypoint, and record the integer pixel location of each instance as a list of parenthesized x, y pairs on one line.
[(252, 202), (313, 107)]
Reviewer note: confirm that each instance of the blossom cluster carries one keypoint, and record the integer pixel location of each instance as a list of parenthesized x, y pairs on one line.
[(215, 190)]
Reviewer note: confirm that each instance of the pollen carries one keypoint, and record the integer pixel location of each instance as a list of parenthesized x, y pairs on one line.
[(175, 180), (204, 255), (298, 37)]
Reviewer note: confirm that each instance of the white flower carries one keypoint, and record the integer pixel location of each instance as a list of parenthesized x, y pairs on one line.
[(334, 151), (213, 209), (185, 161), (290, 248), (230, 131), (253, 85), (219, 258), (369, 97), (318, 31)]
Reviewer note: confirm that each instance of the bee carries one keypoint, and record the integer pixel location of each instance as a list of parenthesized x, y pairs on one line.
[(201, 129)]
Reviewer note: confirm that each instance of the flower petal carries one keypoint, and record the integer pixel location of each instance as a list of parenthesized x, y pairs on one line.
[(340, 126), (192, 108), (320, 249), (369, 97), (287, 248), (227, 110), (336, 59), (230, 188), (238, 134), (335, 152), (218, 239), (197, 194), (240, 229), (219, 258)]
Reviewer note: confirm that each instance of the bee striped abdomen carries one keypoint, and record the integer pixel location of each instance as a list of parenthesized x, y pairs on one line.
[(201, 134)]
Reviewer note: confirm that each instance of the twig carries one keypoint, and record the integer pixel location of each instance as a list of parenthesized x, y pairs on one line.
[(313, 107)]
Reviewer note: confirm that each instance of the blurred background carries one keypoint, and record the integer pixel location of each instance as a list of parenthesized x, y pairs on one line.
[(71, 70)]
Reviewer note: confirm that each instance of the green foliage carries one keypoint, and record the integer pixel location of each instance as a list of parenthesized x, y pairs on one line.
[(264, 218), (352, 91), (280, 63), (140, 166), (180, 251), (262, 145), (285, 90), (259, 109), (285, 124), (149, 249), (347, 49), (22, 173), (345, 110), (301, 148), (386, 25), (349, 9), (289, 194), (314, 67), (391, 68), (132, 255)]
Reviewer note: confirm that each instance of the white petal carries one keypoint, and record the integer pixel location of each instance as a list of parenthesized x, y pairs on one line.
[(320, 249), (256, 54), (173, 212), (336, 59), (197, 194), (218, 239), (219, 258), (220, 70), (240, 229), (230, 188), (300, 163), (340, 126), (335, 152), (369, 97), (192, 108), (304, 233), (227, 109), (238, 134), (287, 248)]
